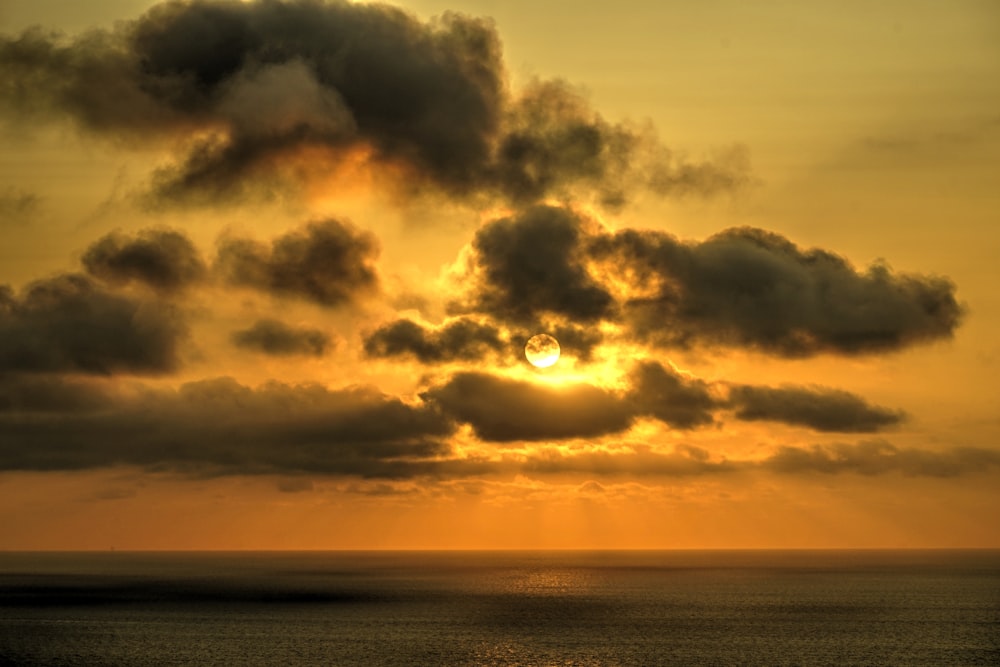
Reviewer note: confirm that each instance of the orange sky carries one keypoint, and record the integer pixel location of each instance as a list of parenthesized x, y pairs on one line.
[(270, 270)]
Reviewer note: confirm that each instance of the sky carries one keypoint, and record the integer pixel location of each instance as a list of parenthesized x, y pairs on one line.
[(267, 271)]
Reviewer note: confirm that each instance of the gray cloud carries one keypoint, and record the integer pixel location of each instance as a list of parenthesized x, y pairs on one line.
[(819, 408), (752, 288), (265, 80), (278, 339), (163, 259), (504, 410), (532, 265), (70, 324), (554, 140), (466, 339), (879, 457), (742, 287), (460, 339), (328, 262), (670, 397), (221, 427), (27, 394)]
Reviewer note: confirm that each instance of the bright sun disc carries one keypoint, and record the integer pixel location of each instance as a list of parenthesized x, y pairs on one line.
[(542, 350)]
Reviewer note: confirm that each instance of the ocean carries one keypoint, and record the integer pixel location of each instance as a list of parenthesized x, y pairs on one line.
[(501, 608)]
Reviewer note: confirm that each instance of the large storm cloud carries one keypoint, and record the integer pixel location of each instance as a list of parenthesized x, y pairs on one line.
[(252, 86)]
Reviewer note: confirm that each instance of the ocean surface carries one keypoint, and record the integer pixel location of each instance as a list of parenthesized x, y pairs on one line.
[(501, 608)]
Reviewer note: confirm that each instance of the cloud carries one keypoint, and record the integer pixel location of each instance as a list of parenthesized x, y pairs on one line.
[(278, 339), (641, 461), (328, 262), (27, 394), (879, 457), (221, 427), (670, 397), (70, 324), (752, 288), (505, 410), (501, 409), (460, 339), (554, 140), (532, 264), (818, 408), (249, 88), (865, 458), (163, 259), (466, 339), (743, 287)]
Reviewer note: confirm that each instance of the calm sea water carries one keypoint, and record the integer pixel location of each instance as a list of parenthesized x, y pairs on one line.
[(501, 608)]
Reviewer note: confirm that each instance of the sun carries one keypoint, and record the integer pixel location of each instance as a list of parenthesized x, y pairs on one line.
[(542, 350)]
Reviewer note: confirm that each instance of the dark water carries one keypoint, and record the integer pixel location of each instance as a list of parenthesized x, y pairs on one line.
[(502, 608)]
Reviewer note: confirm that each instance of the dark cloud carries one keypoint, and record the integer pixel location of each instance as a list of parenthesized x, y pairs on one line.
[(753, 288), (460, 339), (502, 409), (743, 287), (70, 324), (252, 85), (879, 457), (26, 394), (505, 410), (466, 339), (278, 339), (670, 397), (554, 143), (532, 264), (163, 259), (818, 408), (578, 341), (221, 427), (328, 262)]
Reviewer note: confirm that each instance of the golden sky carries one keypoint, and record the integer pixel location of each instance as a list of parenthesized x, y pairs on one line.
[(267, 270)]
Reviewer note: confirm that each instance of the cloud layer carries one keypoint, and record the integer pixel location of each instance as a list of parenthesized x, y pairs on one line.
[(221, 427)]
